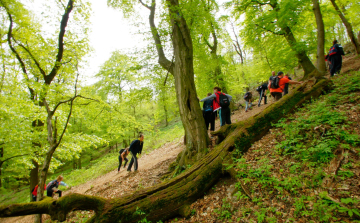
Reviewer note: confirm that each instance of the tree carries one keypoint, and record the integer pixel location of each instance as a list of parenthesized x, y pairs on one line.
[(321, 66), (183, 71), (348, 26), (278, 18)]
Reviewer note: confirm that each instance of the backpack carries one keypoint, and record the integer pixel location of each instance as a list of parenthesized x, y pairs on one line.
[(223, 100), (208, 106), (336, 49), (275, 83), (50, 183), (247, 96), (258, 89)]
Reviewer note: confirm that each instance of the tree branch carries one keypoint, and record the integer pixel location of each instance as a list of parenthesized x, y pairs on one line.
[(12, 48), (145, 5), (268, 30), (3, 161), (64, 21), (163, 61), (33, 58)]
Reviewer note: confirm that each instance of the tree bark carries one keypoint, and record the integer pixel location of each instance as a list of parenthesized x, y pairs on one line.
[(191, 115), (34, 177), (321, 66), (349, 28), (304, 60), (197, 138), (173, 197)]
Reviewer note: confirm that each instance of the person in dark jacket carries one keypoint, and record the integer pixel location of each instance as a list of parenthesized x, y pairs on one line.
[(209, 114), (122, 157), (135, 148), (248, 100), (335, 57), (262, 93), (52, 187), (286, 88)]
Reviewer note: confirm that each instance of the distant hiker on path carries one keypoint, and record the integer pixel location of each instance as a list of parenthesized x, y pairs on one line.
[(209, 114), (277, 85), (222, 103), (262, 93), (248, 100), (35, 190), (273, 75), (122, 157), (335, 58), (286, 89), (135, 148), (52, 187)]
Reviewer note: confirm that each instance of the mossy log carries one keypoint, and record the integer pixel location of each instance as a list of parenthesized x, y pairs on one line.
[(173, 197)]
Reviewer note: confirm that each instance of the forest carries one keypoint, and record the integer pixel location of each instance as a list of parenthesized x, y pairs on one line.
[(292, 160)]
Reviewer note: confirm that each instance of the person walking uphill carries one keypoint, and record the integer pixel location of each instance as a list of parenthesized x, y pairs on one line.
[(52, 187), (222, 103), (277, 85), (135, 148), (209, 114), (335, 57)]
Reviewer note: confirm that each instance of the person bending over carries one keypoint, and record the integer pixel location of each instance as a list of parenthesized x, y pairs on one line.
[(135, 148), (52, 187), (122, 157)]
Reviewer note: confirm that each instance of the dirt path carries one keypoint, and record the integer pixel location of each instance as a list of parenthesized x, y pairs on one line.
[(151, 167)]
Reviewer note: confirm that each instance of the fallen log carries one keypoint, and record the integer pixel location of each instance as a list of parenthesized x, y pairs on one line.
[(173, 197)]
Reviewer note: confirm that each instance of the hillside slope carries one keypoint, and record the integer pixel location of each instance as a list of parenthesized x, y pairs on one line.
[(307, 169)]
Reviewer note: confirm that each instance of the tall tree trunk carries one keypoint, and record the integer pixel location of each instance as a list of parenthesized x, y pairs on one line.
[(197, 138), (348, 26), (175, 196), (321, 66), (182, 69), (34, 177)]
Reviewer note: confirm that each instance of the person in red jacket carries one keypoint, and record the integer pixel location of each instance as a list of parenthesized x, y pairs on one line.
[(34, 192), (224, 110)]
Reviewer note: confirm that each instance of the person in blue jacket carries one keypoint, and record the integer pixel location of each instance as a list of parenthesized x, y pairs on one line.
[(52, 187), (135, 148)]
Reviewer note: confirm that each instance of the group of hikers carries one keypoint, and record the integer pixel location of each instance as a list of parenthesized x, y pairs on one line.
[(278, 85)]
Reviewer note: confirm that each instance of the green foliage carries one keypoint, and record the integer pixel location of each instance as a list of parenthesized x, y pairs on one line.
[(225, 212)]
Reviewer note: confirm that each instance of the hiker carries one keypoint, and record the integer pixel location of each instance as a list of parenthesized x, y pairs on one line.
[(135, 148), (52, 187), (286, 89), (335, 58), (122, 157), (35, 191), (262, 93), (277, 85), (248, 100), (222, 103), (209, 114), (273, 75)]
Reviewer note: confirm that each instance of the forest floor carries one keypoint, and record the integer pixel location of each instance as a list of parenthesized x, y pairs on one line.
[(224, 202)]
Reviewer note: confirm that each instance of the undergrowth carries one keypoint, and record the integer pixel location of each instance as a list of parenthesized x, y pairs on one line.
[(291, 172)]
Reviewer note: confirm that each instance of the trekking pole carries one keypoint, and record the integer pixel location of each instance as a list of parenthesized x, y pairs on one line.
[(261, 95)]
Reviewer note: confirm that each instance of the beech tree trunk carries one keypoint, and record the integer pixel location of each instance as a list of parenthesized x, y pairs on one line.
[(349, 28), (303, 58), (321, 66), (174, 197), (197, 139)]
